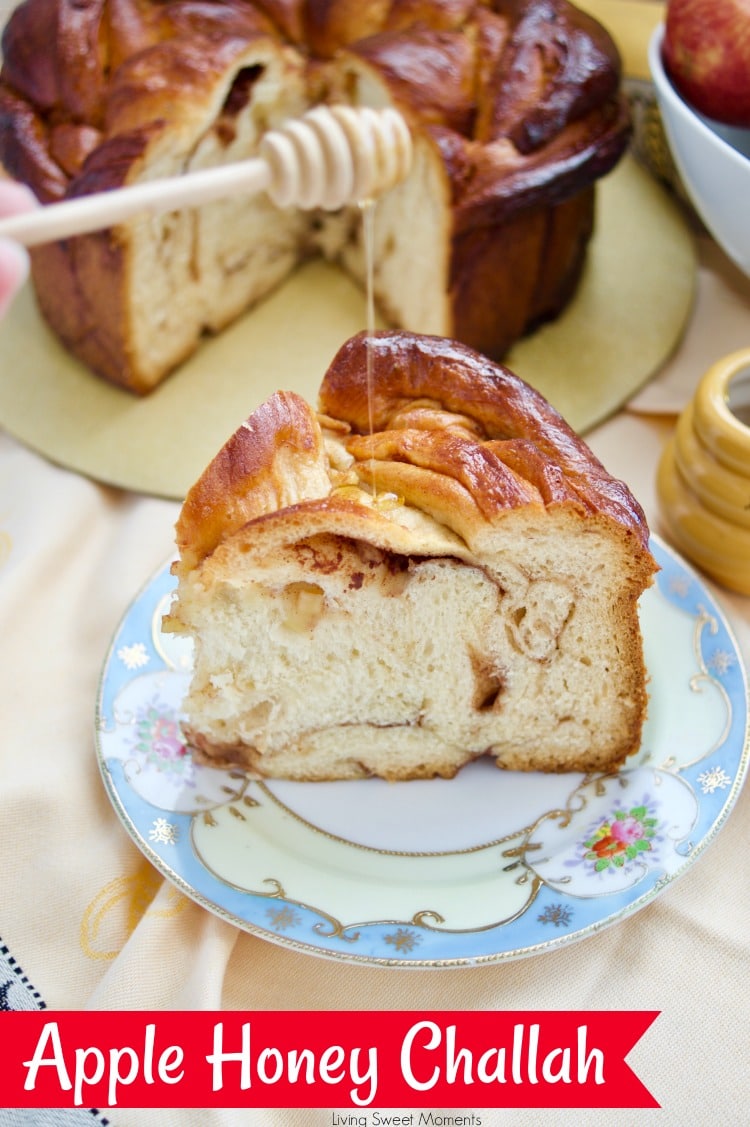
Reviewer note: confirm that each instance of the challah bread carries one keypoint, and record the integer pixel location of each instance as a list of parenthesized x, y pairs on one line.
[(514, 107), (463, 581)]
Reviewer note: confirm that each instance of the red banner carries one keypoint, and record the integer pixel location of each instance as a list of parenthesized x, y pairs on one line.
[(353, 1059)]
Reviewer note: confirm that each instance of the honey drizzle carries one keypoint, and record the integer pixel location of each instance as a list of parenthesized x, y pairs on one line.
[(367, 207)]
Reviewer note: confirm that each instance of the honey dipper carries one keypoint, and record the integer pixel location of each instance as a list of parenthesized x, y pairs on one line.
[(330, 156)]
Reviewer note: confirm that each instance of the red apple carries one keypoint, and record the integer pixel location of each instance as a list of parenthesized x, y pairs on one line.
[(706, 54)]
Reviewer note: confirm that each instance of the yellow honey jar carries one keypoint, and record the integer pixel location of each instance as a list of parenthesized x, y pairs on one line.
[(703, 479)]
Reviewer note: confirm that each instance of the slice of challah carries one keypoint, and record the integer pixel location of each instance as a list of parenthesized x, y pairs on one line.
[(463, 581)]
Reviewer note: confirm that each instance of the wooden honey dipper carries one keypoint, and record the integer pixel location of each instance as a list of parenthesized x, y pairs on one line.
[(330, 156)]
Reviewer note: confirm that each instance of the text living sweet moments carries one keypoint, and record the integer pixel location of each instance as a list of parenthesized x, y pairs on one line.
[(404, 1119)]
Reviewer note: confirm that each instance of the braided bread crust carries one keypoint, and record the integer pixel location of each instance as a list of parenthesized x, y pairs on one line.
[(515, 109)]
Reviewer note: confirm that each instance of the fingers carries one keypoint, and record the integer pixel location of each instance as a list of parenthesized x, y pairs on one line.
[(15, 198), (14, 270), (14, 259)]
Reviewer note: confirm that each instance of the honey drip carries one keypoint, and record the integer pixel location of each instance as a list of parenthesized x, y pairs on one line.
[(367, 207)]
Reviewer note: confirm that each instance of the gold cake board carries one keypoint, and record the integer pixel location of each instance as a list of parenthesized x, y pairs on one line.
[(625, 320)]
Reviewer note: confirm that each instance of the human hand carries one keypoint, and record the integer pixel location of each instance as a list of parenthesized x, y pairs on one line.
[(14, 259)]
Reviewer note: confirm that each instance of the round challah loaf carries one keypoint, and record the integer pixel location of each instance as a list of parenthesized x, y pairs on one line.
[(514, 107), (462, 581)]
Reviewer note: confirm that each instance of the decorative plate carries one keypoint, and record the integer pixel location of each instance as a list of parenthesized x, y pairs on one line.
[(488, 866)]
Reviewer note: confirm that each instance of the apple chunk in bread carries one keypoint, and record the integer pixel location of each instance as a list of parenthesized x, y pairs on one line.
[(463, 581)]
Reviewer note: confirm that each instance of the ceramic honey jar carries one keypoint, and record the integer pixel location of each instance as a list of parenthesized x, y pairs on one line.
[(703, 479)]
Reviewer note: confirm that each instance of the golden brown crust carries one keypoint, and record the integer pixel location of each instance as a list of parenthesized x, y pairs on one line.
[(460, 457), (543, 253), (454, 435), (407, 366), (117, 66), (275, 459)]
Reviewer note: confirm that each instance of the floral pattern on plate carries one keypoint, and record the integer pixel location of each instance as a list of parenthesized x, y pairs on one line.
[(488, 866)]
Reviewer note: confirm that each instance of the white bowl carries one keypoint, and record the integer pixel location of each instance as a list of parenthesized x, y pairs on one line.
[(713, 162)]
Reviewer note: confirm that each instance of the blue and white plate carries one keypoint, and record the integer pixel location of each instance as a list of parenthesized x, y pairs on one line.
[(489, 866)]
